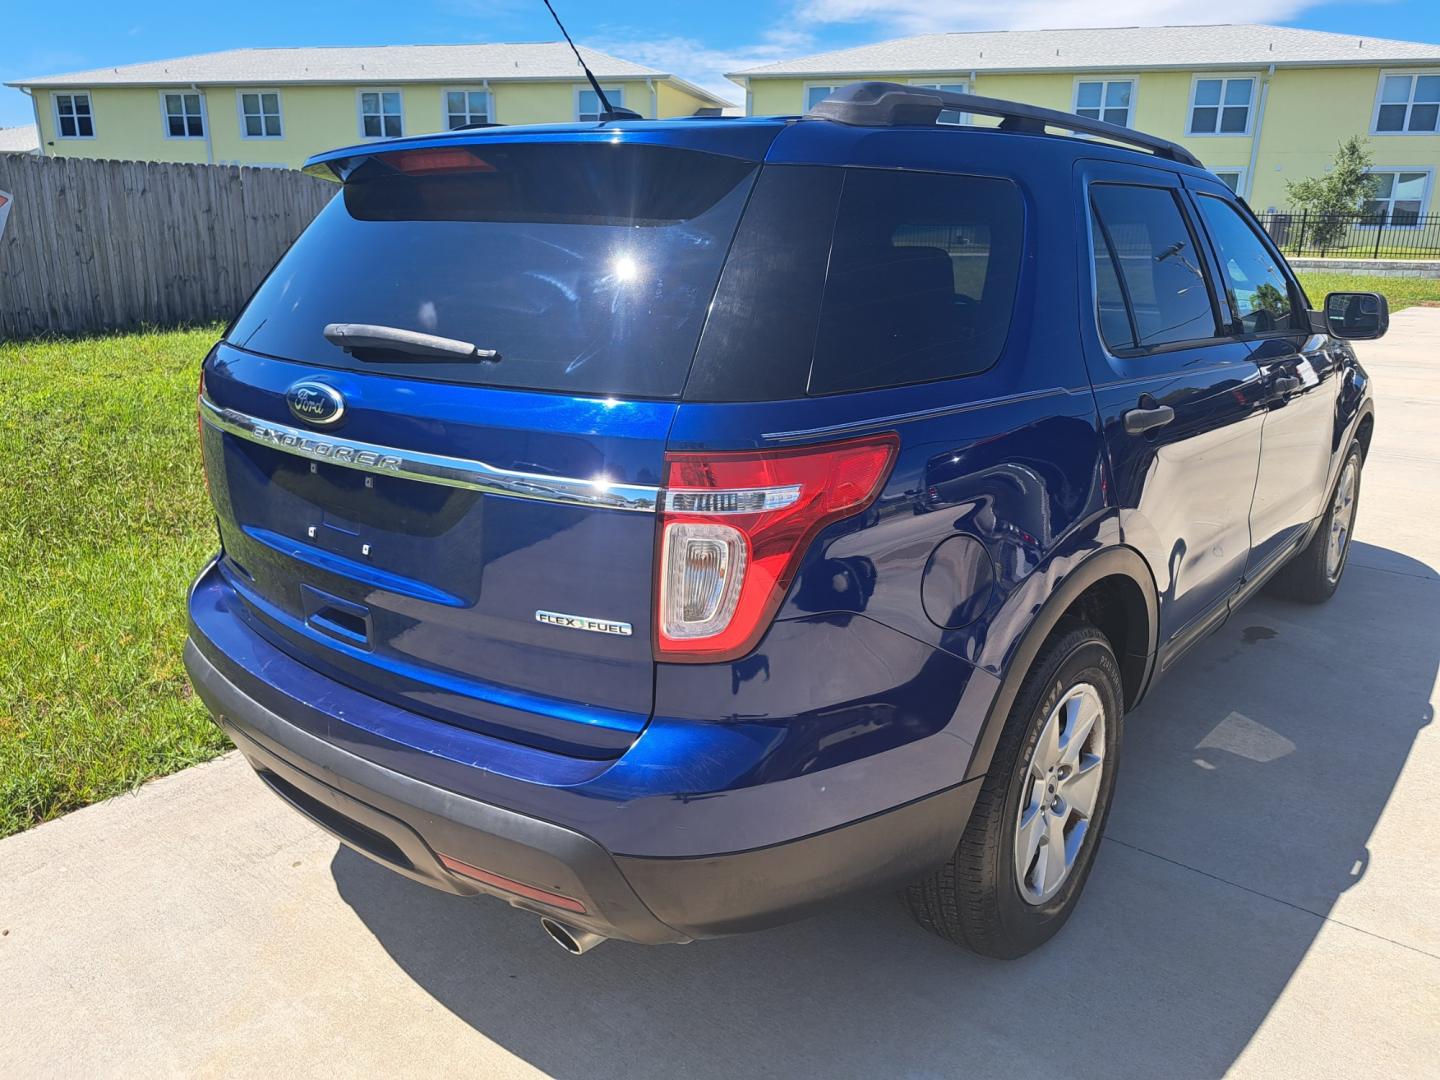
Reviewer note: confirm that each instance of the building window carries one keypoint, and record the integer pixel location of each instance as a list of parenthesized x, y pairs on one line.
[(1234, 179), (466, 107), (73, 118), (260, 114), (816, 94), (1221, 106), (1105, 99), (588, 107), (1409, 104), (948, 116), (1399, 197), (184, 116), (380, 116)]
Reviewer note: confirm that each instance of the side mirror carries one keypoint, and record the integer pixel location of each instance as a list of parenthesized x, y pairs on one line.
[(1358, 316)]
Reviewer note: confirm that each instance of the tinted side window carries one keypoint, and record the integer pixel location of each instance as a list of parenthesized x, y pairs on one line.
[(1115, 325), (760, 334), (1158, 264), (923, 269), (1259, 294)]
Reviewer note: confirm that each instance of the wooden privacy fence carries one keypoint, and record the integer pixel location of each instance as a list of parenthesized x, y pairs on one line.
[(105, 245)]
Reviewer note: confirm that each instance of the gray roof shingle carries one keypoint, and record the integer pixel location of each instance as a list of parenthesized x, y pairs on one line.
[(365, 64), (1124, 47), (18, 140)]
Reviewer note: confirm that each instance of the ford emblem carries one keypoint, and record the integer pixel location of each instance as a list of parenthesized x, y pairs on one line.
[(315, 403)]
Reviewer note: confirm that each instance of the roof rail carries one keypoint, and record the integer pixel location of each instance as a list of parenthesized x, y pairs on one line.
[(884, 104)]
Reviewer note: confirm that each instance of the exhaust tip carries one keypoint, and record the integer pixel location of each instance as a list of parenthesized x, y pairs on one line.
[(572, 940)]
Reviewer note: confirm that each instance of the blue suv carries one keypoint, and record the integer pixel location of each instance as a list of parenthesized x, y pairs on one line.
[(670, 526)]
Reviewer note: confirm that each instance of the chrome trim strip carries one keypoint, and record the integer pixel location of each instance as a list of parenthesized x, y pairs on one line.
[(923, 414), (774, 498), (430, 468)]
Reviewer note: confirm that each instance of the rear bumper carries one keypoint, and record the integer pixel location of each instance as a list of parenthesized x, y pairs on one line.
[(406, 824)]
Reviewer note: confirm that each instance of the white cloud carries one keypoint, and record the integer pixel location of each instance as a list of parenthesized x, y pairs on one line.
[(693, 60), (926, 16)]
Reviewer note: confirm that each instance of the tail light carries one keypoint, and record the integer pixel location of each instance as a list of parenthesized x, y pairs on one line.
[(733, 529), (444, 160)]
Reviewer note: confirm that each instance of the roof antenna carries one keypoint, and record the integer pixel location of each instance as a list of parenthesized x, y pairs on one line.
[(610, 112)]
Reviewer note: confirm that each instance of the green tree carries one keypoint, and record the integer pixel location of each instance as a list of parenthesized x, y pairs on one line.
[(1329, 201)]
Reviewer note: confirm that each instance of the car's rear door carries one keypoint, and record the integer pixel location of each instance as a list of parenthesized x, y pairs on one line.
[(473, 537), (1302, 379), (1181, 404)]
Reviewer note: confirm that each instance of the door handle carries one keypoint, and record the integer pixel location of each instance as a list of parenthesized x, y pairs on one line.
[(1148, 418)]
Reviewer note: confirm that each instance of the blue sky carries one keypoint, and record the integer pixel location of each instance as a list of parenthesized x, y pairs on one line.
[(698, 41)]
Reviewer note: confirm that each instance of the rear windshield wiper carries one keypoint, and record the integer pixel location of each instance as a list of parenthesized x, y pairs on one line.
[(360, 338)]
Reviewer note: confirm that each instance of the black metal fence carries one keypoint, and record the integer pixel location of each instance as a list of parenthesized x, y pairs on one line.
[(1364, 234)]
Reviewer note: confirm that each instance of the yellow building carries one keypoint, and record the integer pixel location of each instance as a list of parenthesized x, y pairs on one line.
[(276, 107), (1258, 104)]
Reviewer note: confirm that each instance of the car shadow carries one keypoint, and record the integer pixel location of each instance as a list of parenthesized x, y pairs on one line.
[(1251, 782)]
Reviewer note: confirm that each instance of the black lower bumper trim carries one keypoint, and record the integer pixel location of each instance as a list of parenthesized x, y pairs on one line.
[(752, 890), (341, 791), (402, 823)]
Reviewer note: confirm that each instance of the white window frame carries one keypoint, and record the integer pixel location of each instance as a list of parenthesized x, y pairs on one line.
[(55, 96), (1413, 73), (616, 94), (819, 83), (279, 112), (1242, 174), (467, 90), (1224, 77), (1105, 81), (1429, 172), (937, 84), (360, 92), (166, 92)]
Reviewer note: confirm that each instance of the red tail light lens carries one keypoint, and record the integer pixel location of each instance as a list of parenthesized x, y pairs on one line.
[(446, 160), (519, 888), (734, 527)]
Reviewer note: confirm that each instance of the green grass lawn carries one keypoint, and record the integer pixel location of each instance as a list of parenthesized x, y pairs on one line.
[(103, 522), (1400, 292)]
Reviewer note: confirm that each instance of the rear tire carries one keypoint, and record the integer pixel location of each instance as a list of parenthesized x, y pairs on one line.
[(1313, 574), (1001, 894)]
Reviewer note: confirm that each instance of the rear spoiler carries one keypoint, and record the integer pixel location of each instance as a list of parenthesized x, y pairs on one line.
[(748, 141)]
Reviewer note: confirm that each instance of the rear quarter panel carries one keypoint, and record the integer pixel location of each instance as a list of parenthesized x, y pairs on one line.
[(1010, 457)]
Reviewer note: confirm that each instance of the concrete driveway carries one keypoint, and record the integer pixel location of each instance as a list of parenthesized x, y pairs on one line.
[(1267, 901)]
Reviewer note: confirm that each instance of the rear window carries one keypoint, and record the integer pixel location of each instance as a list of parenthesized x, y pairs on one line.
[(851, 279), (588, 267)]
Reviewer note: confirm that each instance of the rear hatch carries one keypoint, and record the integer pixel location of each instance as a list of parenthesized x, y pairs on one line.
[(472, 537)]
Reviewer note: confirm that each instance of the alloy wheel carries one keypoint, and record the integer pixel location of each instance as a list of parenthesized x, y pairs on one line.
[(1342, 519), (1062, 788)]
